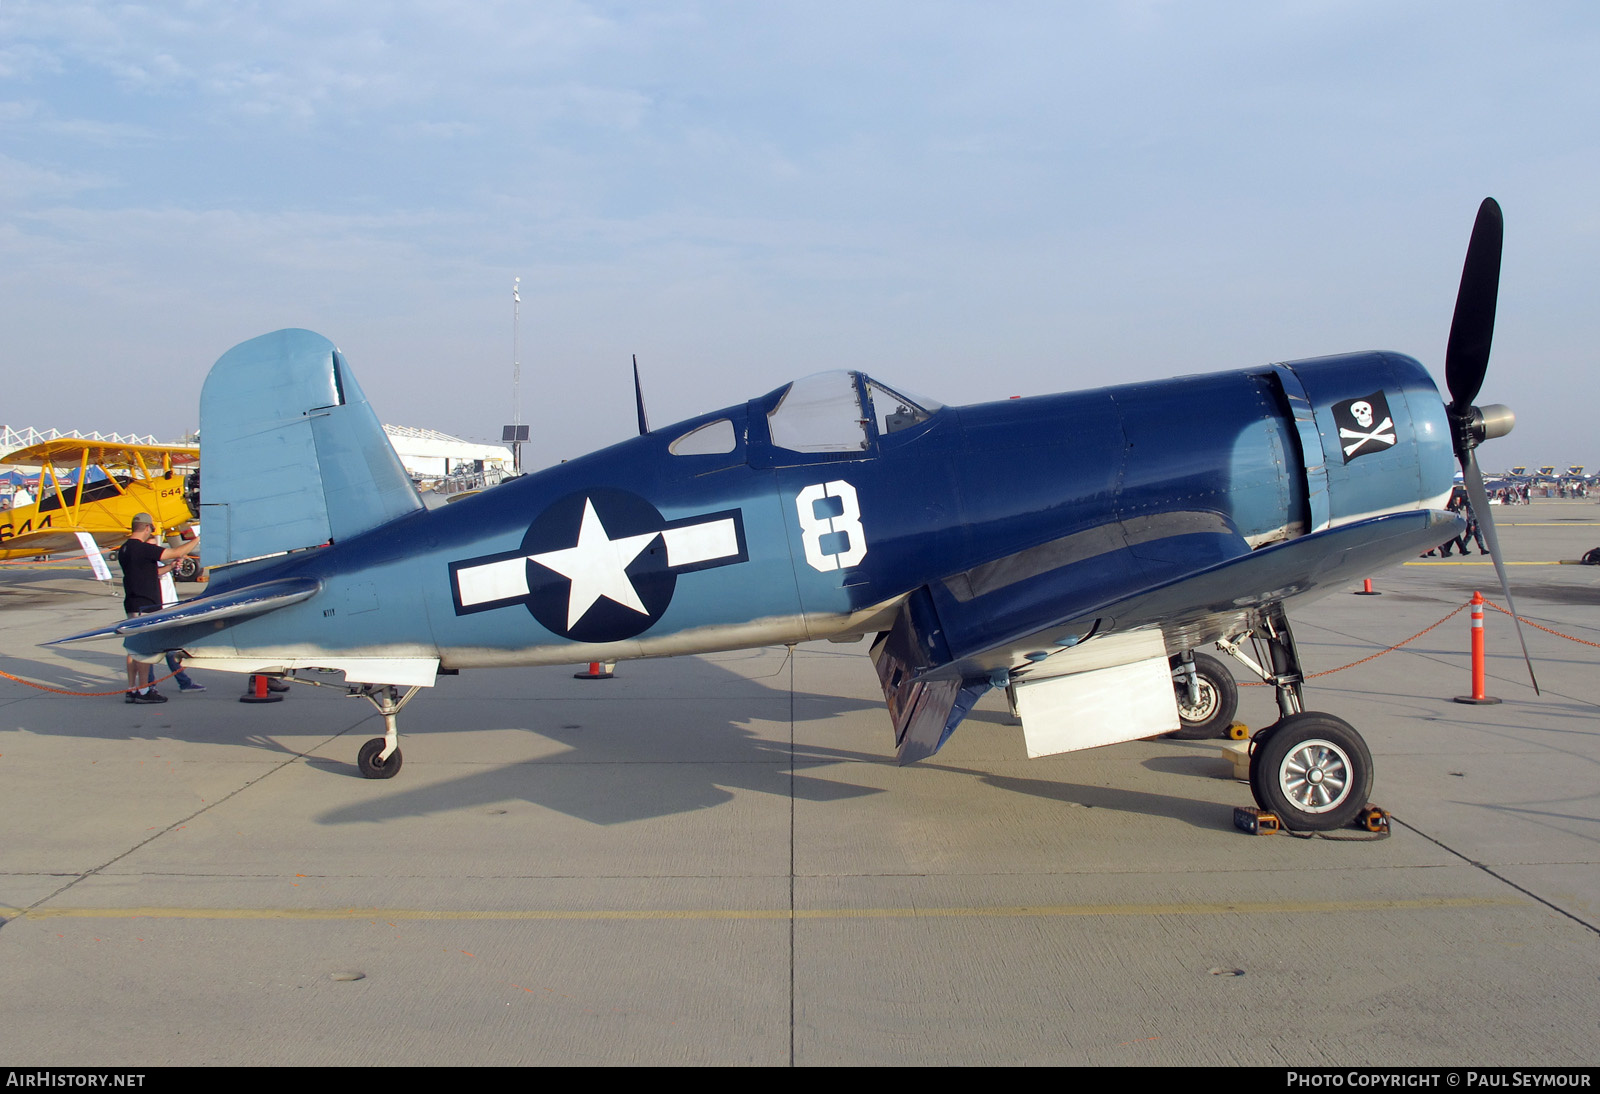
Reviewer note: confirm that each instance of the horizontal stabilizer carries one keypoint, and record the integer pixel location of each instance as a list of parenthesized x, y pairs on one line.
[(234, 604)]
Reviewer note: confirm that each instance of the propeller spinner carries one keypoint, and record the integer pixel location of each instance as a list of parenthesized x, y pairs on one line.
[(1466, 362)]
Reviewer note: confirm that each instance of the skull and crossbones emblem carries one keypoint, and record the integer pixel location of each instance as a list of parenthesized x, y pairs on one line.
[(1364, 425)]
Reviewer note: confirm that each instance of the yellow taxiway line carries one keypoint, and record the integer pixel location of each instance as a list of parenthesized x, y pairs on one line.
[(1442, 562), (1238, 907)]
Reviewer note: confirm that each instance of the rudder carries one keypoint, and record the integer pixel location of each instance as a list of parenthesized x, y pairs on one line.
[(291, 453)]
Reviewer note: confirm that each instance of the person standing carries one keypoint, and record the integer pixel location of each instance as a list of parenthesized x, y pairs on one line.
[(142, 560), (1472, 532), (1457, 503)]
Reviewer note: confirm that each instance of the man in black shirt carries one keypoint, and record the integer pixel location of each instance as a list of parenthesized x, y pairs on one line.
[(141, 559)]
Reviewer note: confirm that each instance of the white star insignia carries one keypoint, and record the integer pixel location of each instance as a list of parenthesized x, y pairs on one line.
[(597, 566)]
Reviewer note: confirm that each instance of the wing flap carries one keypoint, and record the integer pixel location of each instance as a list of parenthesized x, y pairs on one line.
[(924, 713)]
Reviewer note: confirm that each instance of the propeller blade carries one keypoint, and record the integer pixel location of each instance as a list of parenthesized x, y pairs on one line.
[(1479, 500), (1466, 356)]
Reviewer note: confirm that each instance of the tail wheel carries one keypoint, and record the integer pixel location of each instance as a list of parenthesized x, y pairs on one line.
[(1210, 715), (1313, 770), (371, 767)]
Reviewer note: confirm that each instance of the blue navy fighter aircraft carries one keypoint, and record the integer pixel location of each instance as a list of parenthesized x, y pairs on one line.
[(1075, 550)]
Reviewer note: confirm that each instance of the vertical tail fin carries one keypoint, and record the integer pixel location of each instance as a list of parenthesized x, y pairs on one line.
[(292, 456)]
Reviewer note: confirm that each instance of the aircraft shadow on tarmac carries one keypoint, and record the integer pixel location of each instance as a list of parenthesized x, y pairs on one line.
[(612, 773), (1195, 812), (617, 766), (614, 768)]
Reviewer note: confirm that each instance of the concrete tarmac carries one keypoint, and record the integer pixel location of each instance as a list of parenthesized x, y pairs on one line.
[(715, 860)]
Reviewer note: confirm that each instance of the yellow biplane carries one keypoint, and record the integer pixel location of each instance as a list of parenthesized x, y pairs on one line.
[(135, 478)]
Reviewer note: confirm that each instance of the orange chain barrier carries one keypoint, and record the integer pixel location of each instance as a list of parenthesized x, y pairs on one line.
[(1538, 626), (1364, 660), (95, 694)]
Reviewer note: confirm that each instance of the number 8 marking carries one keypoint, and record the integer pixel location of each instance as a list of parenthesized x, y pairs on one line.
[(847, 524)]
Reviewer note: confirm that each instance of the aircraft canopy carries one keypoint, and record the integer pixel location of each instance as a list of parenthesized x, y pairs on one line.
[(830, 412)]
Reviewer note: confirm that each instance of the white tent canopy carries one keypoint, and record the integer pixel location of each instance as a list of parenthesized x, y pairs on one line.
[(429, 454)]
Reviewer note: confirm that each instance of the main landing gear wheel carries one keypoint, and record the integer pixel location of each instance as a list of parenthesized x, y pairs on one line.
[(188, 569), (1313, 770), (1212, 712), (373, 768)]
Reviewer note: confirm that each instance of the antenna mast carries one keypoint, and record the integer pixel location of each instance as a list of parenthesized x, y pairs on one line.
[(516, 432)]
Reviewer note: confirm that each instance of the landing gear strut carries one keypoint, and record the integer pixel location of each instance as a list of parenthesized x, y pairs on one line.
[(380, 757), (1311, 769)]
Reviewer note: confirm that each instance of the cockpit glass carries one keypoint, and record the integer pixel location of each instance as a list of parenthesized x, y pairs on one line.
[(713, 438), (820, 413), (894, 411)]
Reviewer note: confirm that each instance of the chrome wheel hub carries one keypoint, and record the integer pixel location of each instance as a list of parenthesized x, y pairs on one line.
[(1197, 711), (1315, 776)]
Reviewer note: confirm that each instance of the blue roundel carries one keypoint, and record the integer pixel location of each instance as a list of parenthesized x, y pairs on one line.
[(597, 566)]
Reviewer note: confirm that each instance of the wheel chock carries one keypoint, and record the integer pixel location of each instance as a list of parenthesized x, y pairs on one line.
[(1237, 731), (1256, 822), (1372, 819), (1259, 822)]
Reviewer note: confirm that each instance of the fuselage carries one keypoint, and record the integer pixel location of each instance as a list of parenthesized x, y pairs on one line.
[(815, 510)]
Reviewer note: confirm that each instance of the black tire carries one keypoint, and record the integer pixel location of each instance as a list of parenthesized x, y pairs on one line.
[(188, 568), (1591, 557), (369, 764), (1258, 741), (1219, 701), (1313, 770)]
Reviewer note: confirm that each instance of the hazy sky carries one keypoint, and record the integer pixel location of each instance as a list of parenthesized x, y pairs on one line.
[(972, 200)]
